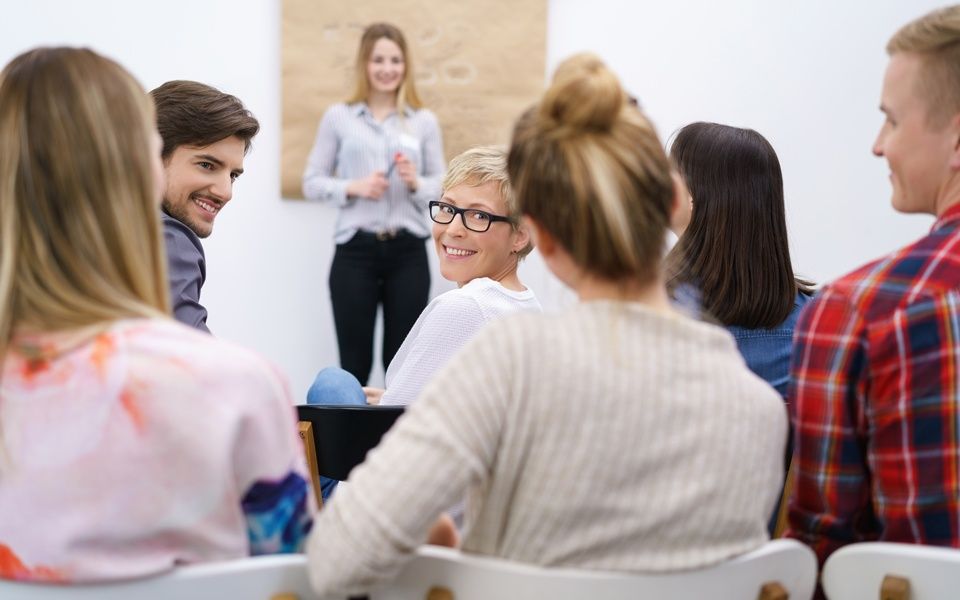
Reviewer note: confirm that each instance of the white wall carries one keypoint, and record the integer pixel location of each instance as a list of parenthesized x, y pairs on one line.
[(806, 75)]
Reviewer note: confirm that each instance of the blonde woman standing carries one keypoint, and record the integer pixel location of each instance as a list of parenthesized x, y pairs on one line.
[(129, 443), (378, 157)]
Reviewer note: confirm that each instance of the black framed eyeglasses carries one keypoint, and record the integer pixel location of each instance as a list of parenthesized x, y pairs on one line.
[(473, 219)]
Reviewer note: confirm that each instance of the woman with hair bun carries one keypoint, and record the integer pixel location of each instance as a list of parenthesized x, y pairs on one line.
[(617, 435)]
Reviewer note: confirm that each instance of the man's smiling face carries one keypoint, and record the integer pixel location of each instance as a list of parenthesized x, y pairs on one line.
[(200, 182)]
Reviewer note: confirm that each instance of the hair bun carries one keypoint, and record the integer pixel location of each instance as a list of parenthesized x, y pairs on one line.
[(584, 95)]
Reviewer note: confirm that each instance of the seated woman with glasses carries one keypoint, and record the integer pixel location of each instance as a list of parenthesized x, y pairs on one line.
[(618, 435), (479, 243)]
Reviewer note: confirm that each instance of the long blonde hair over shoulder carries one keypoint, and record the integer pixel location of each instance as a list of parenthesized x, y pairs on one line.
[(80, 238)]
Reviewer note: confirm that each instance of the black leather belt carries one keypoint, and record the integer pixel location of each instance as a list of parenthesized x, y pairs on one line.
[(386, 235)]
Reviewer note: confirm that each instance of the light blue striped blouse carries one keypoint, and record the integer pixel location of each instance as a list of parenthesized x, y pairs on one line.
[(351, 144)]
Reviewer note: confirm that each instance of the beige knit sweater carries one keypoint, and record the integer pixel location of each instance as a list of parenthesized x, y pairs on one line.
[(606, 437)]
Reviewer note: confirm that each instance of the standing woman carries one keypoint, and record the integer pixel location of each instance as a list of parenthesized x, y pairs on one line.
[(733, 252), (379, 158)]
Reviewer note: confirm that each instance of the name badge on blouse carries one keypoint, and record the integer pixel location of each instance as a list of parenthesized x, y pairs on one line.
[(408, 141)]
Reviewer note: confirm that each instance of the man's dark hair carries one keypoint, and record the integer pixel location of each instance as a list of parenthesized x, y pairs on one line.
[(195, 114)]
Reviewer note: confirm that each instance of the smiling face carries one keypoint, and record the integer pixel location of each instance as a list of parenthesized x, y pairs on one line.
[(466, 255), (385, 67), (200, 182), (917, 152)]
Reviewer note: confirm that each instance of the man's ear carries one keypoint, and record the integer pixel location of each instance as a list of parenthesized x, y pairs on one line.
[(954, 126)]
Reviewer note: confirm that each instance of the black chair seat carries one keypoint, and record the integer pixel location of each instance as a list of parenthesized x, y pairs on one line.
[(343, 435)]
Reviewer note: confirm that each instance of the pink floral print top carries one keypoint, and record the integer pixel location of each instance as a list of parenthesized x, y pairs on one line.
[(130, 449)]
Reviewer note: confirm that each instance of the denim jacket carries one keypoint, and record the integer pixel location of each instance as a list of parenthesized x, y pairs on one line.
[(767, 351)]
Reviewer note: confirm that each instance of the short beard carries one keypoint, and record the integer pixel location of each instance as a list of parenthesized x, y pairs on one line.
[(181, 214)]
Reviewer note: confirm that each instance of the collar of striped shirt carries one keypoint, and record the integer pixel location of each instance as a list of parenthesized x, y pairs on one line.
[(361, 108)]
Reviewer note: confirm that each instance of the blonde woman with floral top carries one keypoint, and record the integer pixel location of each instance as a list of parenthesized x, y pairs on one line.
[(129, 443)]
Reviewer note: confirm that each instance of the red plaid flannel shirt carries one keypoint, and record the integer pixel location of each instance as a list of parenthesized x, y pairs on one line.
[(875, 401)]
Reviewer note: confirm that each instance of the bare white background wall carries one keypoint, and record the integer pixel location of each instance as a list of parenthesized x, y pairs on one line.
[(806, 75)]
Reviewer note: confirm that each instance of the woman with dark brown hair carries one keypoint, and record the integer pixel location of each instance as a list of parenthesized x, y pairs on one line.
[(733, 254)]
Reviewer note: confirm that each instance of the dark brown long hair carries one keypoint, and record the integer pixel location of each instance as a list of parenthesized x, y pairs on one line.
[(735, 250)]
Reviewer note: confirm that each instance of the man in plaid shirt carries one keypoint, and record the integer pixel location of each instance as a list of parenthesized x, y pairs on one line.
[(875, 392)]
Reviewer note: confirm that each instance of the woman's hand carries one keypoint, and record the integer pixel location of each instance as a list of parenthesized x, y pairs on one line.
[(407, 171), (444, 532), (372, 186), (373, 394)]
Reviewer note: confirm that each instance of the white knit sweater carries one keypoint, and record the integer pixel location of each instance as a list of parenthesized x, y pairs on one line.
[(449, 321), (606, 437)]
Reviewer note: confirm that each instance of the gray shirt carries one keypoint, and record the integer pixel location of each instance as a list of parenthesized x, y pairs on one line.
[(186, 272), (351, 144)]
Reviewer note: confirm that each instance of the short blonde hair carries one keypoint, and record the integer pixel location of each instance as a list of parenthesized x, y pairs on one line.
[(935, 37), (80, 238), (480, 165), (407, 92), (589, 168)]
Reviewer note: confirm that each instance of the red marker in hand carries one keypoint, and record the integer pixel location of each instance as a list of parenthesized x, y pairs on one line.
[(396, 157)]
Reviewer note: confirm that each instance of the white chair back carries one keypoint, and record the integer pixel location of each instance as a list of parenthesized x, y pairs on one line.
[(858, 572), (444, 574), (279, 577)]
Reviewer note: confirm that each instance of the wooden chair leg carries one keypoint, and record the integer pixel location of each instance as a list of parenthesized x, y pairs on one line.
[(773, 590), (310, 451), (783, 511), (895, 588), (439, 593)]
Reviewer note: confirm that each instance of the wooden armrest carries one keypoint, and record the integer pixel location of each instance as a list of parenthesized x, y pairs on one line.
[(310, 451)]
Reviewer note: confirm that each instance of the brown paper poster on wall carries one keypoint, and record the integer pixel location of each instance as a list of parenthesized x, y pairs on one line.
[(478, 65)]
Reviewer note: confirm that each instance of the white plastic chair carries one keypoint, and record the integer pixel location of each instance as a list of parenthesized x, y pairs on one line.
[(859, 571), (278, 577), (444, 574)]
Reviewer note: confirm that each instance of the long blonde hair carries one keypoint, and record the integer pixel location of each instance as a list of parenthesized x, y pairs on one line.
[(80, 238), (407, 92)]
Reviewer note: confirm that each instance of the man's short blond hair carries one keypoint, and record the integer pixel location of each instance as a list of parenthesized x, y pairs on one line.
[(480, 165), (935, 37)]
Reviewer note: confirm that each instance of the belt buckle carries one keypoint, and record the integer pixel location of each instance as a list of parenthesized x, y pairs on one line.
[(386, 235)]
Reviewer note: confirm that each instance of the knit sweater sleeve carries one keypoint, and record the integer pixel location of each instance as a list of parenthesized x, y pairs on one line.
[(445, 442), (452, 322)]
